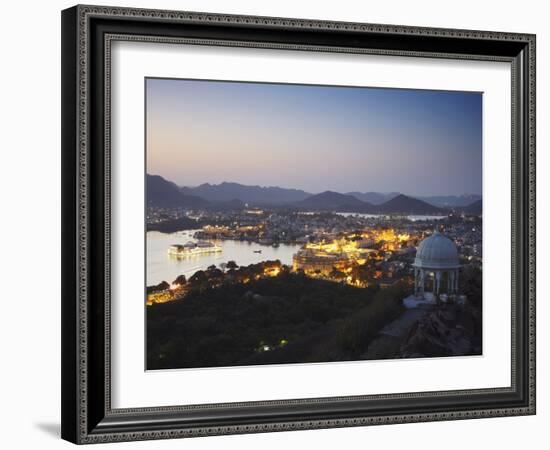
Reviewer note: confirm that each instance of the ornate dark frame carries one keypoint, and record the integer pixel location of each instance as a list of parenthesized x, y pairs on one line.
[(87, 32)]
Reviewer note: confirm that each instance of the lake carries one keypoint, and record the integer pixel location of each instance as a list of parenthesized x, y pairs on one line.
[(162, 267)]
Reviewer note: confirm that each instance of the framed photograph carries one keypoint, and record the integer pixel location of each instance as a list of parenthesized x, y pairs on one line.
[(278, 224)]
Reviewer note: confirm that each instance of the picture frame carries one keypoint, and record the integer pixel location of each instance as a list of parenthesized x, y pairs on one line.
[(87, 413)]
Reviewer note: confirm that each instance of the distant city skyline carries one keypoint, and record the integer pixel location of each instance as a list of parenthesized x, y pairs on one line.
[(315, 138)]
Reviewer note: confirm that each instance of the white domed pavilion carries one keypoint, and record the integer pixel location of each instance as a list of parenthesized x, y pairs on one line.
[(436, 258)]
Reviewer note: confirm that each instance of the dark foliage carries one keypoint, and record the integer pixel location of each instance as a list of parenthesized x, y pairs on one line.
[(285, 319)]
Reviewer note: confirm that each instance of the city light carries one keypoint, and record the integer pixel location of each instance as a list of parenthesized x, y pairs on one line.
[(352, 250)]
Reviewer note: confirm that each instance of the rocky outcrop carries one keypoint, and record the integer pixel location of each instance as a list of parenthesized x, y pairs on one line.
[(448, 331)]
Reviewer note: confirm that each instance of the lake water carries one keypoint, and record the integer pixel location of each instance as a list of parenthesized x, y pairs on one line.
[(162, 267)]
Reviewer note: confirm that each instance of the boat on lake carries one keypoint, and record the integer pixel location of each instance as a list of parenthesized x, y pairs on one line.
[(193, 248)]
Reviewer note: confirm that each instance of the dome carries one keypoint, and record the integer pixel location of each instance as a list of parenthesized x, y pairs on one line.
[(436, 252)]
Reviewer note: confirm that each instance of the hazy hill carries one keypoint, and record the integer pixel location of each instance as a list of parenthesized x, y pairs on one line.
[(474, 208), (229, 205), (451, 201), (165, 194), (333, 201), (441, 201), (407, 205), (258, 195), (375, 198)]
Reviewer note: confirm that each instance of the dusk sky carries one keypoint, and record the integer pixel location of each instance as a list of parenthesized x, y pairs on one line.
[(315, 138)]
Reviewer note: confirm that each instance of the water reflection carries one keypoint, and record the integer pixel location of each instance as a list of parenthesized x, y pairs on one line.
[(163, 267)]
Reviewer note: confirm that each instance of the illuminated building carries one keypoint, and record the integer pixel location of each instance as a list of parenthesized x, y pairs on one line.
[(323, 257), (310, 260)]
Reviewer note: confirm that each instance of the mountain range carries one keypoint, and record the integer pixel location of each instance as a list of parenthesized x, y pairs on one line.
[(405, 204), (225, 192), (163, 193), (376, 198), (334, 201), (330, 200), (273, 195), (474, 208), (451, 201)]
